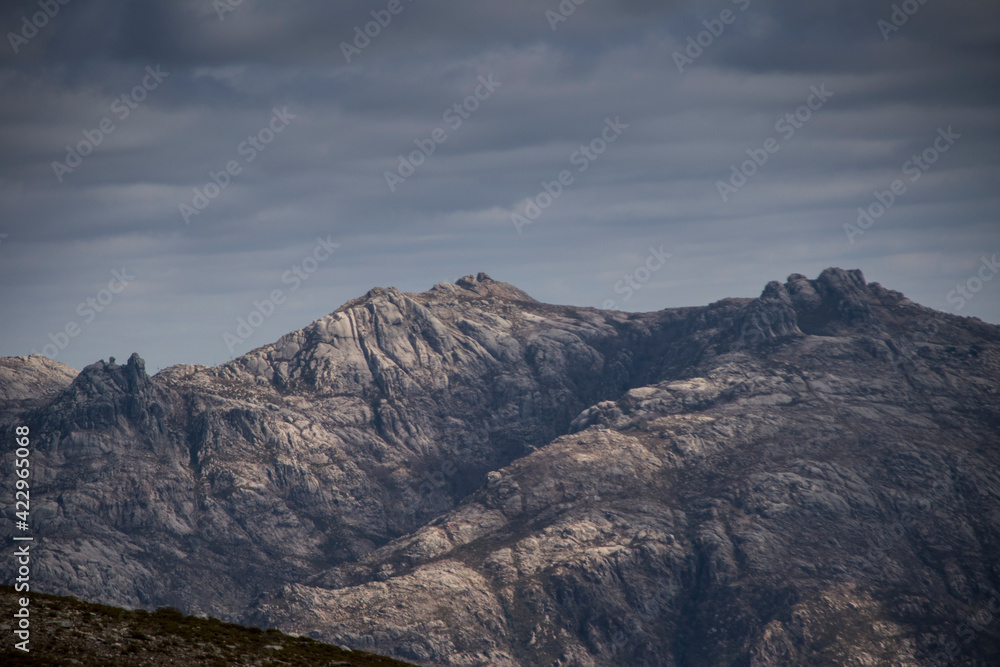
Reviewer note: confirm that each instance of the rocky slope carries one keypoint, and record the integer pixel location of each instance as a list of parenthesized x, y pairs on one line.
[(467, 476)]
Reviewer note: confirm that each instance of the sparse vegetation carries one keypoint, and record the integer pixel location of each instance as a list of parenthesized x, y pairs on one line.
[(66, 631)]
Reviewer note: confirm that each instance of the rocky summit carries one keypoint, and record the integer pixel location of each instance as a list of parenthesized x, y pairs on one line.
[(468, 476)]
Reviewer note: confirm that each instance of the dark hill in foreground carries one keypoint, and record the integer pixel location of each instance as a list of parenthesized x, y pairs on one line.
[(66, 631)]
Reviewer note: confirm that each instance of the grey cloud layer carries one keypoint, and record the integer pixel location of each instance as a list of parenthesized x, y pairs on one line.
[(324, 174)]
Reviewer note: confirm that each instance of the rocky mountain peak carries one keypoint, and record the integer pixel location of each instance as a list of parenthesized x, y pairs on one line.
[(479, 286), (102, 377), (469, 476), (835, 300), (106, 394), (467, 288), (470, 280)]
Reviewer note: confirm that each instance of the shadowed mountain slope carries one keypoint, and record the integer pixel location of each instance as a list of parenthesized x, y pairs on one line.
[(468, 476)]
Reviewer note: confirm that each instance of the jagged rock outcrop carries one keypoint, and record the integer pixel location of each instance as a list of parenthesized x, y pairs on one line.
[(469, 476)]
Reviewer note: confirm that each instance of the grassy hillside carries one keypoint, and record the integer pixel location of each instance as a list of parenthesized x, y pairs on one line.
[(66, 631)]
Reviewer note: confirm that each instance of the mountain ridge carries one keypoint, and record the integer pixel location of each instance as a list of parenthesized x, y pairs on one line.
[(469, 441)]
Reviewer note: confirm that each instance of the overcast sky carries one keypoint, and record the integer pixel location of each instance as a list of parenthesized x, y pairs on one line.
[(115, 113)]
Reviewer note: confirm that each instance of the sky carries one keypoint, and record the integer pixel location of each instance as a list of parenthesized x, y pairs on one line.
[(191, 179)]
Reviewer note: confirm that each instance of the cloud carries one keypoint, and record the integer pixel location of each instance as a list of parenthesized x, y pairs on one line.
[(325, 173)]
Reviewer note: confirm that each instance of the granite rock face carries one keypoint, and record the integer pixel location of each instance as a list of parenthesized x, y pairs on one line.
[(470, 477)]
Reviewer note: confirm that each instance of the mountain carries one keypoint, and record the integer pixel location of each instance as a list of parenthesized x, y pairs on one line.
[(467, 476)]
